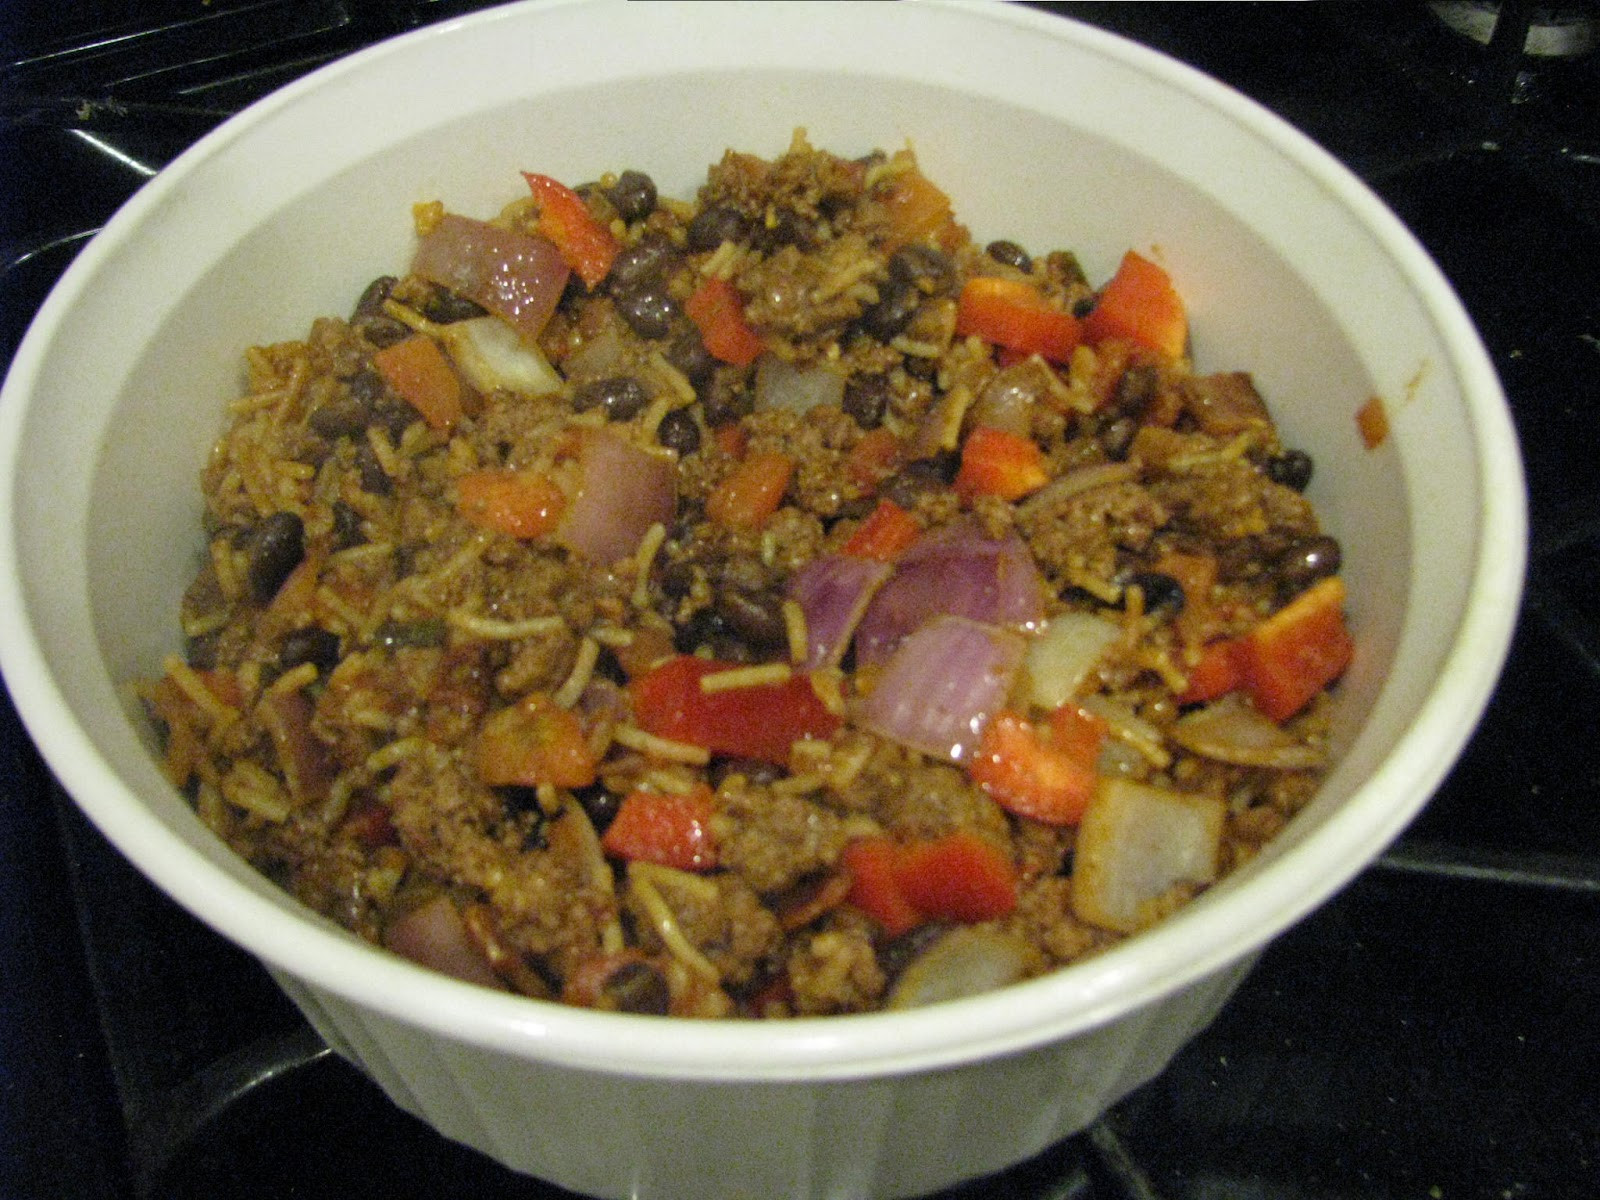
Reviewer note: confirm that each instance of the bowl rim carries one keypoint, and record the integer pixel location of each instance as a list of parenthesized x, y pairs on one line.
[(1201, 940)]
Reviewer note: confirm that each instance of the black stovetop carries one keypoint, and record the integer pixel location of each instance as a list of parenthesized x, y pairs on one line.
[(1433, 1032)]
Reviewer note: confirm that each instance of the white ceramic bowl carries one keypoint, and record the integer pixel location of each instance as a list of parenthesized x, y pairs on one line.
[(1042, 131)]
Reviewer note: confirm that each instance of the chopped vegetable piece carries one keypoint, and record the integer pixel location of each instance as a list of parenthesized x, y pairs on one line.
[(941, 685), (523, 504), (1217, 672), (957, 877), (586, 246), (1016, 315), (875, 885), (516, 276), (874, 458), (491, 354), (997, 463), (885, 535), (418, 370), (671, 829), (1139, 849), (535, 742), (918, 211), (622, 490), (1068, 648), (1140, 305), (752, 492), (1298, 651), (761, 721), (1047, 778), (833, 592), (434, 935), (957, 571), (717, 310), (961, 962)]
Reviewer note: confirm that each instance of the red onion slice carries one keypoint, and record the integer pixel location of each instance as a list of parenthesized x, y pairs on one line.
[(622, 491), (833, 592), (517, 276), (957, 572), (436, 936), (942, 684)]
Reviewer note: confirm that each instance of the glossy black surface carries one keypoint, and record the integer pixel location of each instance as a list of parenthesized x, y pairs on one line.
[(1432, 1032)]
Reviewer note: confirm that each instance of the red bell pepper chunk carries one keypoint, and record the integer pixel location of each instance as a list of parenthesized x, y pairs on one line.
[(420, 372), (667, 828), (997, 463), (957, 877), (1049, 779), (1218, 672), (523, 504), (1298, 651), (885, 535), (1015, 315), (1139, 305), (752, 491), (586, 246), (717, 310), (762, 721), (872, 864)]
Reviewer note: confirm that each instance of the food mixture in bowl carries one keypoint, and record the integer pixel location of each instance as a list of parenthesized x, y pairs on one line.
[(776, 603)]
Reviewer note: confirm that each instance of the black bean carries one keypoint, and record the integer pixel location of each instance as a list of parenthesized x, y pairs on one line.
[(638, 987), (727, 397), (1009, 254), (313, 644), (621, 396), (599, 805), (788, 228), (277, 546), (866, 399), (346, 526), (1116, 437), (930, 270), (1292, 468), (755, 618), (651, 259), (916, 479), (1162, 593), (201, 652), (679, 431), (374, 479), (447, 307), (422, 634), (633, 196), (382, 331), (1136, 389), (715, 225), (705, 628), (373, 297), (897, 304), (648, 309), (1307, 560), (369, 318), (688, 354), (393, 415), (677, 580), (343, 416)]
